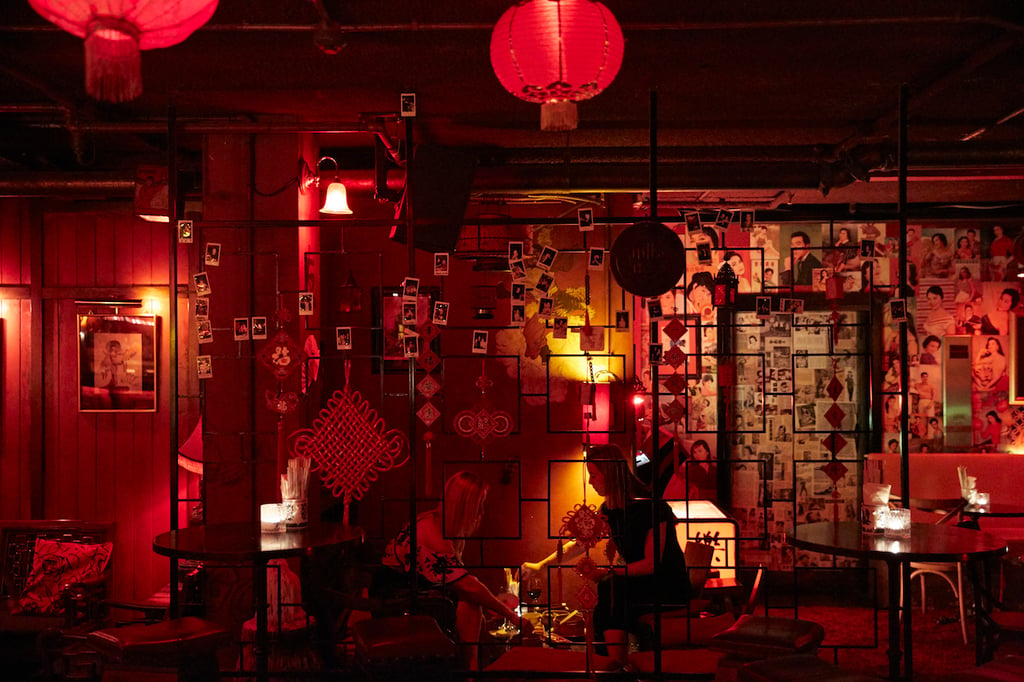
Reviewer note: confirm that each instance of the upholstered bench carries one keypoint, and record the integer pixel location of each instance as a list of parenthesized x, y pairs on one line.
[(187, 646), (798, 668), (396, 645), (758, 637)]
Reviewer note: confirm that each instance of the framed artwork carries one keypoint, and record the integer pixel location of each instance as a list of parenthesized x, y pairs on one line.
[(392, 314), (1016, 366), (117, 363)]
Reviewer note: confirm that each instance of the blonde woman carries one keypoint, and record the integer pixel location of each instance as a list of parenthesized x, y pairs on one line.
[(630, 587), (440, 537)]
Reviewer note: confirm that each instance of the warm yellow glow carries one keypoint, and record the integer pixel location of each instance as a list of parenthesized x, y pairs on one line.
[(336, 201)]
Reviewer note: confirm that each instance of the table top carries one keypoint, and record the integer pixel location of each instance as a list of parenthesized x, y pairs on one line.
[(245, 541), (1004, 510), (927, 542)]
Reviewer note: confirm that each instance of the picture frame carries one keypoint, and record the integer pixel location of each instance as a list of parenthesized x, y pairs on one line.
[(117, 363), (388, 346), (1016, 367)]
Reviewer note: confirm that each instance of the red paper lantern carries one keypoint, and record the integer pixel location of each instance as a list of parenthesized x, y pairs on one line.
[(556, 53), (115, 31)]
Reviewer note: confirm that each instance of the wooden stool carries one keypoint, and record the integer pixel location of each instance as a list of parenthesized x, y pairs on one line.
[(797, 668), (182, 649), (758, 637), (403, 645)]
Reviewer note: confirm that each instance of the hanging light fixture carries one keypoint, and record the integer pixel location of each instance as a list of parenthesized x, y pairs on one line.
[(116, 30), (556, 53), (336, 197), (726, 286)]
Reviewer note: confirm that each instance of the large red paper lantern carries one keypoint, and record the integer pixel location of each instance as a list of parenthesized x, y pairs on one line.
[(116, 30), (556, 53)]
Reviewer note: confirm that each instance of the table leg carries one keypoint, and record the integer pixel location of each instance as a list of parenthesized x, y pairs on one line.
[(908, 617), (979, 573), (260, 646), (895, 580)]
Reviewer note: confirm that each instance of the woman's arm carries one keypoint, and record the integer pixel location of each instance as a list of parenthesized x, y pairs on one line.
[(570, 550), (470, 589)]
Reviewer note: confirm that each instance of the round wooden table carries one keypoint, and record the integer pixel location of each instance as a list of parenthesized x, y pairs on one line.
[(245, 543), (927, 542)]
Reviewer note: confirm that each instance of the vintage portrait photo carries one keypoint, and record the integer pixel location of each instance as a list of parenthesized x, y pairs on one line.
[(343, 338), (212, 256), (411, 345), (409, 313), (763, 306), (898, 309), (202, 308), (655, 352), (241, 327), (202, 284), (518, 314), (596, 259), (185, 231), (561, 328), (518, 271), (305, 303), (204, 364), (258, 328), (546, 307), (544, 283), (515, 251), (519, 292), (547, 258), (440, 313), (480, 341), (704, 253), (410, 288), (441, 264), (204, 331), (585, 219), (622, 320), (408, 103), (654, 308), (692, 220)]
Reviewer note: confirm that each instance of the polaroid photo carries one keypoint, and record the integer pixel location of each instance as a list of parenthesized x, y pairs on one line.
[(518, 270), (202, 283), (622, 320), (185, 231), (518, 314), (544, 283), (898, 309), (596, 259), (519, 292), (515, 251), (560, 328), (692, 220), (202, 308), (204, 364), (305, 303), (867, 248), (747, 221), (439, 315), (723, 218), (411, 345), (258, 328), (480, 341), (547, 258), (654, 353), (409, 313), (441, 264), (546, 308), (786, 305), (408, 104), (410, 288), (212, 256), (704, 252), (343, 338), (585, 219), (592, 338), (763, 306), (654, 309), (241, 327), (797, 305), (204, 331)]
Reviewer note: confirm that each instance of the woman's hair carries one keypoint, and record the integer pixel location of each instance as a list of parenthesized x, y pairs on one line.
[(963, 240), (620, 478), (701, 444), (965, 271), (941, 237), (1014, 296), (464, 495), (999, 346), (935, 289), (701, 279), (994, 415)]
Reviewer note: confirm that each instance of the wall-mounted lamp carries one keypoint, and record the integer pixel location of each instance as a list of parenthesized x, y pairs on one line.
[(600, 412), (336, 198), (726, 286)]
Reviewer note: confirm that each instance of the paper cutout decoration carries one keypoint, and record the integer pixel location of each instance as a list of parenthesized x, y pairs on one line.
[(482, 423), (350, 445), (282, 355)]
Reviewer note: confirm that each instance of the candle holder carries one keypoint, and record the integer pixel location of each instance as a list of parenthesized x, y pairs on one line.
[(896, 523), (272, 517)]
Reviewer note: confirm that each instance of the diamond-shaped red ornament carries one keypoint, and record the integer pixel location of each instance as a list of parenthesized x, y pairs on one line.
[(428, 331), (428, 387), (674, 357), (834, 442), (676, 383), (835, 470), (673, 411), (674, 329), (282, 355), (428, 360), (835, 388), (835, 416), (428, 414), (586, 597)]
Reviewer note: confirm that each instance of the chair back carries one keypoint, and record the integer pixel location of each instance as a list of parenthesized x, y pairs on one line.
[(698, 563)]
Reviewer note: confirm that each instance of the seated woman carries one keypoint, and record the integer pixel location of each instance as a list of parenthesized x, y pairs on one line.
[(630, 587), (440, 537)]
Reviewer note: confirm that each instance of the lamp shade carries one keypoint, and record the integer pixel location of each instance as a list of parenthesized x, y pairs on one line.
[(116, 30), (336, 201), (556, 53)]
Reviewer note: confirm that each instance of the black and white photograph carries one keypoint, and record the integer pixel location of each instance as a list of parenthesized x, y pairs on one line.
[(654, 310), (185, 231), (518, 314), (305, 303), (202, 283), (410, 288), (704, 253), (585, 219), (515, 251), (440, 313), (747, 221), (723, 218), (655, 352), (343, 338), (867, 248), (204, 331), (544, 283), (212, 256), (898, 309), (518, 270), (596, 259), (560, 328), (202, 308), (692, 220), (204, 364), (441, 264), (411, 345), (409, 313), (763, 306), (408, 104), (258, 328), (546, 307), (519, 292), (480, 341), (547, 258), (241, 327), (622, 320)]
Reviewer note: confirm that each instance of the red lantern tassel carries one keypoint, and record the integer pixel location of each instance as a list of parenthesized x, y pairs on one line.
[(559, 116), (113, 67)]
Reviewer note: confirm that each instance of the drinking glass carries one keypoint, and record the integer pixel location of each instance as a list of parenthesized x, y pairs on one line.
[(534, 588)]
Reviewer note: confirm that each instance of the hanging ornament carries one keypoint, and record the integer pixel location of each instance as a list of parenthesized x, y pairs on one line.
[(116, 30), (282, 355), (482, 423), (556, 53), (350, 445), (350, 297), (586, 525)]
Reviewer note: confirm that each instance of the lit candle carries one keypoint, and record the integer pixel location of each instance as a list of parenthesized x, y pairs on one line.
[(272, 517)]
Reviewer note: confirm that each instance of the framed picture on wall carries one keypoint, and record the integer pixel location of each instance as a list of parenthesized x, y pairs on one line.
[(393, 314), (1016, 366), (117, 363)]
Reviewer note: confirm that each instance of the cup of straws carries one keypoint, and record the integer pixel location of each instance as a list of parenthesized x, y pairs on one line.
[(294, 493)]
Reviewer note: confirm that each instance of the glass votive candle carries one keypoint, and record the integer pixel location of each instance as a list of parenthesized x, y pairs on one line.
[(272, 517), (897, 523), (981, 500)]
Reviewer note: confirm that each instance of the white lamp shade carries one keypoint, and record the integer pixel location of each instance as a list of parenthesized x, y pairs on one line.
[(336, 201)]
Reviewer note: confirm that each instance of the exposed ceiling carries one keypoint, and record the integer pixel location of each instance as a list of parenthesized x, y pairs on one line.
[(757, 103)]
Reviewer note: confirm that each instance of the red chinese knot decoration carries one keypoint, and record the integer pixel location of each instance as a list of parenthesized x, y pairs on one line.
[(585, 524), (116, 30), (556, 53)]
